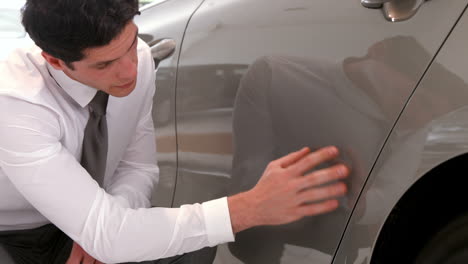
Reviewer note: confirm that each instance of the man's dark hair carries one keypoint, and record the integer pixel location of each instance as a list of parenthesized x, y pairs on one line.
[(65, 28)]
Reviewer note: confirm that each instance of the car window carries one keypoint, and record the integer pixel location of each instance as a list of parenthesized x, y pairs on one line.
[(146, 3), (12, 33), (10, 19)]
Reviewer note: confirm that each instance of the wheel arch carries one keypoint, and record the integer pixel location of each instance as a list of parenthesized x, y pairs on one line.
[(425, 207)]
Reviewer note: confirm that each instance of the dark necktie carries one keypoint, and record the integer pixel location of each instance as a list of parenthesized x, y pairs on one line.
[(94, 153)]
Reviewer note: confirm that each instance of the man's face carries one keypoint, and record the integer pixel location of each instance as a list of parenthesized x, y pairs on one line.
[(111, 68)]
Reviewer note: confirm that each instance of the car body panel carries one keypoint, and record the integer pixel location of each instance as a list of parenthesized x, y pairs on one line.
[(273, 77), (432, 130), (165, 20)]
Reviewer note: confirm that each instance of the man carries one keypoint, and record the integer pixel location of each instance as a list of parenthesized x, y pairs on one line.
[(77, 150)]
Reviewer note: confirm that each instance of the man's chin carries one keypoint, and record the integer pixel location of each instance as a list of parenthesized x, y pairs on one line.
[(122, 91)]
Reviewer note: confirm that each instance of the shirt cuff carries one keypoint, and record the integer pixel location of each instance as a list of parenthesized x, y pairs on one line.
[(217, 221)]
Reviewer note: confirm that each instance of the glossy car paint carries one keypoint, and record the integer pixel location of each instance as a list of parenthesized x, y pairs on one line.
[(314, 78), (258, 79), (165, 20), (432, 130)]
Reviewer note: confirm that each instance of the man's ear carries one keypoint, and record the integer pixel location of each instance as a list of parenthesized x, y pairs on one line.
[(58, 64)]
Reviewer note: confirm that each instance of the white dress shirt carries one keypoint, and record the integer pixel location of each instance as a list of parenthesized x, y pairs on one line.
[(42, 121)]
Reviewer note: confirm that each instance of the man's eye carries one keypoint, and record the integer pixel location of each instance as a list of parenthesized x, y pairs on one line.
[(102, 66)]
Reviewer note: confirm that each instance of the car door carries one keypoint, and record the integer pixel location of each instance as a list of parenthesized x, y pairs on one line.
[(162, 24), (259, 79)]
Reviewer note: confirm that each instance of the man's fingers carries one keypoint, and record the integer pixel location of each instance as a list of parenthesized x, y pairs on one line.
[(293, 157), (79, 256), (88, 259), (318, 208), (313, 159), (319, 177), (322, 193), (75, 256)]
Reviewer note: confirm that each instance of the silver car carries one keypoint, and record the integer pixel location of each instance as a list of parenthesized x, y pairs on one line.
[(240, 83)]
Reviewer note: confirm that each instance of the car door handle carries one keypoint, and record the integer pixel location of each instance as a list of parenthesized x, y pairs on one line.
[(373, 3), (395, 10), (161, 49)]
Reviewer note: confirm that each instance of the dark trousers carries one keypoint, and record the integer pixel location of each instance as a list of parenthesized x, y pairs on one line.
[(48, 245)]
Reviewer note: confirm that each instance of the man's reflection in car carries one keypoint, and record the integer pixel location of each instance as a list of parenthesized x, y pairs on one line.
[(5, 256), (286, 102)]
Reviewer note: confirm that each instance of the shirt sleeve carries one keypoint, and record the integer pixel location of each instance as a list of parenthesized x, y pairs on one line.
[(137, 172), (52, 180)]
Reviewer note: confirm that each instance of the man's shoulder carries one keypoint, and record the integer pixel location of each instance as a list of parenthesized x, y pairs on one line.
[(144, 51), (22, 74), (145, 67), (145, 59)]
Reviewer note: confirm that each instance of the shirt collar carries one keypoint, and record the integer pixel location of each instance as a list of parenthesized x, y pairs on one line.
[(81, 93)]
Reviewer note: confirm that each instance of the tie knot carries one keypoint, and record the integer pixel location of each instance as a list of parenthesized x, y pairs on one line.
[(99, 103)]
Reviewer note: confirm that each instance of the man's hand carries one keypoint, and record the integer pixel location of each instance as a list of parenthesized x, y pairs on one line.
[(79, 256), (284, 194)]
